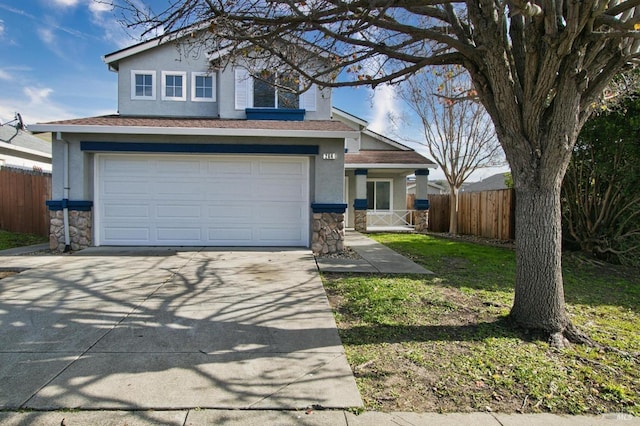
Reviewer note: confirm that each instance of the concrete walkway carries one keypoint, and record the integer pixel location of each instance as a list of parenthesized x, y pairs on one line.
[(198, 417), (375, 258)]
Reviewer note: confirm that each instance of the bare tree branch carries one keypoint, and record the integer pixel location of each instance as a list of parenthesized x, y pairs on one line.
[(457, 130)]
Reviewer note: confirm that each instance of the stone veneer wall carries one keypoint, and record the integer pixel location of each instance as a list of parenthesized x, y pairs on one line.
[(422, 221), (80, 231), (360, 220), (328, 233)]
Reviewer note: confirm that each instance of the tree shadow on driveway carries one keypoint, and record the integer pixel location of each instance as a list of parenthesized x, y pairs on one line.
[(202, 329)]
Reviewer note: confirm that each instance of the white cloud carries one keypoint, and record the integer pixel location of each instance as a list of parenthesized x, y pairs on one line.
[(37, 95), (66, 3), (99, 7), (1, 28), (103, 16), (4, 75), (35, 106), (46, 35), (385, 108)]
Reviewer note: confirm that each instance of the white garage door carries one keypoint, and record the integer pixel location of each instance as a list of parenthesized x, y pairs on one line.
[(162, 200)]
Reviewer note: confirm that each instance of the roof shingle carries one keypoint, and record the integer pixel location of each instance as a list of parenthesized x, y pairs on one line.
[(203, 123), (386, 157)]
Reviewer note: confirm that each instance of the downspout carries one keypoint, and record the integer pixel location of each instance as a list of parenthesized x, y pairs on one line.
[(65, 196)]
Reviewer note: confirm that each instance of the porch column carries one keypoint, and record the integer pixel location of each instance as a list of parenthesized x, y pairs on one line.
[(421, 204), (360, 202)]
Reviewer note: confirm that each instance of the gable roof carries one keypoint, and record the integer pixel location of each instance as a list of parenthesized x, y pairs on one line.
[(112, 59), (360, 124), (387, 140), (400, 157), (197, 126), (387, 159), (345, 116)]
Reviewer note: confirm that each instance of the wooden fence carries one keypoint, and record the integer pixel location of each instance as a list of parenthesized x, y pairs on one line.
[(22, 201), (488, 214)]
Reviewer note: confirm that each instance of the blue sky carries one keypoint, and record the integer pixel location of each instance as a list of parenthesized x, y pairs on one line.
[(51, 61), (51, 66)]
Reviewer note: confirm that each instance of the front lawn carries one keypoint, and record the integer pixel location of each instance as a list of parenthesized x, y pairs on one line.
[(10, 240), (442, 343)]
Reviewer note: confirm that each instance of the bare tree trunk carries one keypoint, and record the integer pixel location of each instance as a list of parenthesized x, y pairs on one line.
[(539, 295), (453, 211)]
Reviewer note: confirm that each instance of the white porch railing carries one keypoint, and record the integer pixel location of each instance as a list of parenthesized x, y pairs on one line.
[(389, 218)]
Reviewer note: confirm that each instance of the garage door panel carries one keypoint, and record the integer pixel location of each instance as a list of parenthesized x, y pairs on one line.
[(124, 188), (227, 189), (224, 168), (125, 235), (180, 168), (180, 190), (202, 200), (278, 235), (287, 191), (128, 211), (279, 213), (229, 213), (280, 168), (226, 235), (130, 166), (227, 217), (175, 235), (178, 212)]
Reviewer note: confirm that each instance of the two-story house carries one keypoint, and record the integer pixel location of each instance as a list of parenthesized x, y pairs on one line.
[(200, 155)]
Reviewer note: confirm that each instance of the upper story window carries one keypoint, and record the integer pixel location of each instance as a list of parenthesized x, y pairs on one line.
[(203, 87), (270, 91), (143, 84), (174, 86), (264, 92)]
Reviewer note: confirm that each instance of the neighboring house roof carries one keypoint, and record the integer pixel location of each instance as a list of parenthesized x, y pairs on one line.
[(490, 183), (411, 187), (20, 138), (18, 143), (388, 158), (198, 126)]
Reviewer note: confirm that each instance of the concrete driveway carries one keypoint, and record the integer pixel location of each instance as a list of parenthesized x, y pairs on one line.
[(170, 329)]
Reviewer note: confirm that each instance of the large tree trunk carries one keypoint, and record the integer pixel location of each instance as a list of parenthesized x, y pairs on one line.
[(453, 211), (539, 295)]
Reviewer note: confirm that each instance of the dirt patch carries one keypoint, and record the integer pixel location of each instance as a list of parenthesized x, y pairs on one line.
[(5, 274), (346, 253), (475, 239), (46, 252), (455, 262)]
